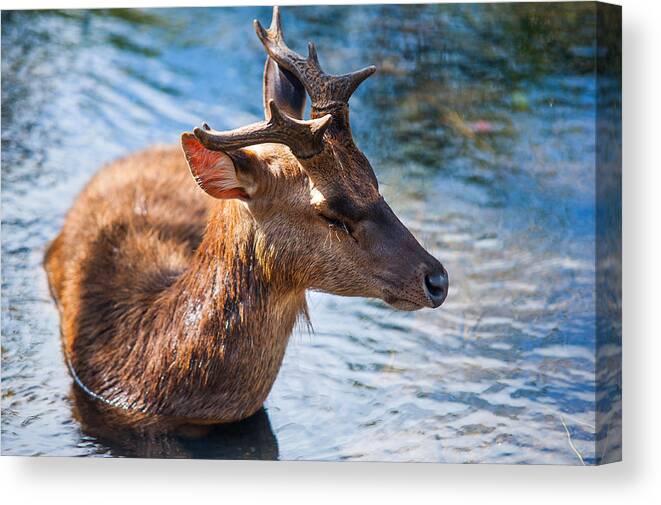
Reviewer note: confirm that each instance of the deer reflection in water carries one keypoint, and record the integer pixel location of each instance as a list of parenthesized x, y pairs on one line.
[(251, 438)]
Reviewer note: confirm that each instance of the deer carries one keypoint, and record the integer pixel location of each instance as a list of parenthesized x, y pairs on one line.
[(177, 295)]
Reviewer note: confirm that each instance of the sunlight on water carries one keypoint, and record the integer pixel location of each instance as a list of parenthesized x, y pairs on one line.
[(480, 127)]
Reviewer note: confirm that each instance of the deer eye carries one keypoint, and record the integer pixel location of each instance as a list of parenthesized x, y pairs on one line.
[(336, 223)]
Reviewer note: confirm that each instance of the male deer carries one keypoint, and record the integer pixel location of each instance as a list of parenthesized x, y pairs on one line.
[(176, 304)]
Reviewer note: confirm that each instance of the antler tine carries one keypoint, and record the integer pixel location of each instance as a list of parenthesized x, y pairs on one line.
[(276, 23), (304, 138), (324, 89)]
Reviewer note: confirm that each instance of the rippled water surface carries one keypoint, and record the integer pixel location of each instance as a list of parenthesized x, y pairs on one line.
[(480, 124)]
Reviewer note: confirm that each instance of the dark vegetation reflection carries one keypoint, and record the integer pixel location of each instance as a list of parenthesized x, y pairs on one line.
[(480, 124)]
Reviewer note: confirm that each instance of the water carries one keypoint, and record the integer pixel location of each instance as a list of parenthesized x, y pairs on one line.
[(481, 127)]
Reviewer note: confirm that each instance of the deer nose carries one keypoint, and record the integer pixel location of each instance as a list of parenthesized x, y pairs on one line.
[(436, 286)]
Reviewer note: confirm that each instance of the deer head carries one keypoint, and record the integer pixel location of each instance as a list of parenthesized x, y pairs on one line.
[(311, 192)]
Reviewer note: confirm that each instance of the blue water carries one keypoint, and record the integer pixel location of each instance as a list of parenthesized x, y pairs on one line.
[(480, 124)]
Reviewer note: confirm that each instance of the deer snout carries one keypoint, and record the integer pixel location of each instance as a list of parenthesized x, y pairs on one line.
[(435, 285)]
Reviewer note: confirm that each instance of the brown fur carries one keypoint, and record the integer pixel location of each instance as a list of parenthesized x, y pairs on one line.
[(155, 317)]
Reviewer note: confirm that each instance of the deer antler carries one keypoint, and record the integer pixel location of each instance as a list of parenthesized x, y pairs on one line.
[(325, 90), (304, 138)]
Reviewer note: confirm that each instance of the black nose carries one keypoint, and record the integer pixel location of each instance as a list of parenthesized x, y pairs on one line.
[(436, 287)]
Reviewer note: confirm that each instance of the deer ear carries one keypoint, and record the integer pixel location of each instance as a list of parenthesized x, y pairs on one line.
[(284, 89), (214, 171)]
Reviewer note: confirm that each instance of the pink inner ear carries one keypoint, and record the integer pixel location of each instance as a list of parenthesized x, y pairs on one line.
[(213, 171)]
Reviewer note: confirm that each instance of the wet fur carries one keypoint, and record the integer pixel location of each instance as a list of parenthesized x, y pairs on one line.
[(167, 324)]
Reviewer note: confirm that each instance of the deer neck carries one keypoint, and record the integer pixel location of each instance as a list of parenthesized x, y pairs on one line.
[(232, 313)]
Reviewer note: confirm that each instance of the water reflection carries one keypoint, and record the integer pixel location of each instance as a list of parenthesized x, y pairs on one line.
[(252, 438), (480, 124)]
